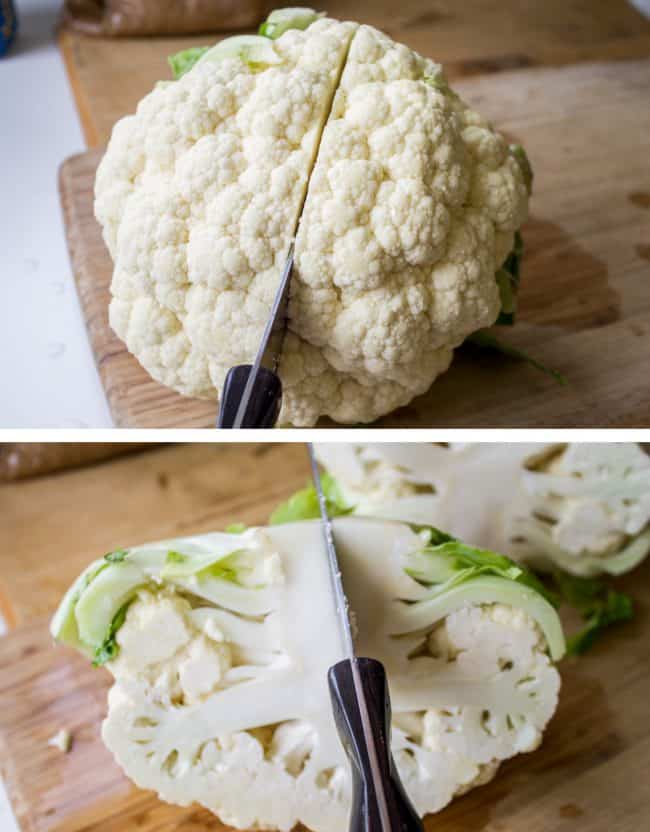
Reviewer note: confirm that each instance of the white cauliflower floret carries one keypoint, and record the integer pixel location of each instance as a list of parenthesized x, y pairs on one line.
[(583, 507), (371, 478), (138, 637), (198, 194), (229, 707), (586, 508), (486, 641), (203, 669), (469, 636), (182, 665), (396, 250), (412, 201)]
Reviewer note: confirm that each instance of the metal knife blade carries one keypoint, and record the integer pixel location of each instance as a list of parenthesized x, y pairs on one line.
[(347, 643), (342, 605), (270, 348)]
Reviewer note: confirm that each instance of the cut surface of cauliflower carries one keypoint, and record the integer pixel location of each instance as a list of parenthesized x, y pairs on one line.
[(412, 201), (584, 507), (220, 694)]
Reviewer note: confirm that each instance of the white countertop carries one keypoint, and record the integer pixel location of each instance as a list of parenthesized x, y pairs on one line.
[(48, 374), (47, 370)]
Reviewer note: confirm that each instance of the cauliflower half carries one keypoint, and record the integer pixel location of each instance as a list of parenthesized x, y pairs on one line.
[(408, 204), (220, 644), (583, 507)]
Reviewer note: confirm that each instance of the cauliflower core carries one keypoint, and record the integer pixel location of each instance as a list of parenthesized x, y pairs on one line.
[(412, 201), (220, 694)]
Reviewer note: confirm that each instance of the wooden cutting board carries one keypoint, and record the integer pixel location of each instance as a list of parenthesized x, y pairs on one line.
[(585, 301), (590, 774), (58, 523), (109, 75)]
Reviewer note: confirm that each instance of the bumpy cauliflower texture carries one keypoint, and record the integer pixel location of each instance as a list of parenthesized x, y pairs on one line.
[(220, 694), (411, 207)]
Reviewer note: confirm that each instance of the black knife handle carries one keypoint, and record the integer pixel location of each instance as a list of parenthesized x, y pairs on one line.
[(366, 815), (264, 404)]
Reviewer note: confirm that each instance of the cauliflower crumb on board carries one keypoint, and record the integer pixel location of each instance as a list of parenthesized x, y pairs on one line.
[(412, 203), (62, 741)]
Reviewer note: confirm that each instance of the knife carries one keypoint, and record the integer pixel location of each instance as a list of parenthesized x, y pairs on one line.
[(252, 393), (362, 713)]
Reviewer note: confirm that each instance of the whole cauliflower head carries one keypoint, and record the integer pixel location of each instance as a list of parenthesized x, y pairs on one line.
[(220, 648), (408, 203)]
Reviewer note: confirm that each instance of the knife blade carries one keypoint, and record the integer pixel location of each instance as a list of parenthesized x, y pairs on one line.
[(361, 706), (252, 393)]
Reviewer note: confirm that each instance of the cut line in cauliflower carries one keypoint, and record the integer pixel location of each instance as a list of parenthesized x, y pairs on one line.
[(411, 202), (220, 694), (583, 507)]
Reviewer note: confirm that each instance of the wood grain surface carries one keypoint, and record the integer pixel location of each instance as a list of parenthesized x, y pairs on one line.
[(585, 301), (58, 523), (19, 460), (590, 774), (109, 76)]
